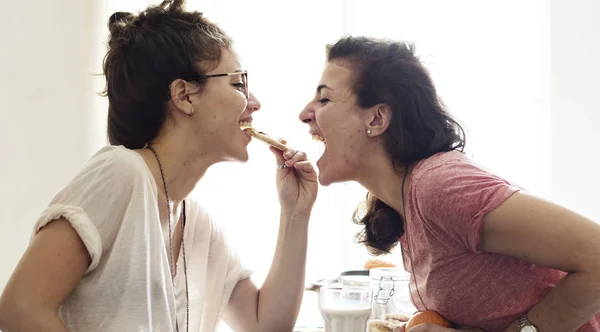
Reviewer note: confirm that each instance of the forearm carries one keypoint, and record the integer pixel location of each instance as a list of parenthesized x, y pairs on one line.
[(281, 294), (571, 303)]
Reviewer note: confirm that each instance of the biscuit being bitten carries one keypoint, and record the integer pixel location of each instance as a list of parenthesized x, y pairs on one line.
[(266, 138)]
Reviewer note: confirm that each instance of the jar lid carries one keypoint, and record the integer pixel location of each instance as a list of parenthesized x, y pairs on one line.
[(388, 272), (355, 273)]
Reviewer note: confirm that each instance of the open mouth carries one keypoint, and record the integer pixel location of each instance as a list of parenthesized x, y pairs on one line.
[(323, 148), (318, 138), (245, 124)]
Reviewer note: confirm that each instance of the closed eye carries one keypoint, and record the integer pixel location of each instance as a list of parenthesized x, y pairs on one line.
[(323, 101), (240, 85)]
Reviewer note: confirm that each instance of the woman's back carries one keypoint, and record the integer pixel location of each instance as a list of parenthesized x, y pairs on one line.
[(448, 197)]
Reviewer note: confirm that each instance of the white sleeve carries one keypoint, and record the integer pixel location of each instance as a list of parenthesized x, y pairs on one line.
[(241, 269), (221, 248), (237, 270), (95, 201)]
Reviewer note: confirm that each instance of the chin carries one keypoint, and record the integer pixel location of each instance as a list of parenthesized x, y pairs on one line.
[(238, 158), (237, 155), (241, 156), (323, 180), (327, 178)]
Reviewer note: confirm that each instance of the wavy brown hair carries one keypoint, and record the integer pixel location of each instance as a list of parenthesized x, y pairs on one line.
[(390, 72), (146, 52)]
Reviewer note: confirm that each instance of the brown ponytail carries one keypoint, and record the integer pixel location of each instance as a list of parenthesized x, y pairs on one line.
[(383, 225), (146, 52)]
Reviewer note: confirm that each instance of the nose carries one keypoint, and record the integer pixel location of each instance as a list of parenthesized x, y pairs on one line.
[(308, 114), (253, 103)]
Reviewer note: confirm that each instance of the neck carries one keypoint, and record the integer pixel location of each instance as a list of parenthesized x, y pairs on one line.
[(384, 181), (183, 165)]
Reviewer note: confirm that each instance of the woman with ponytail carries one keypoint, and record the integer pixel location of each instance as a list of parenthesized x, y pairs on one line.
[(481, 251), (123, 247)]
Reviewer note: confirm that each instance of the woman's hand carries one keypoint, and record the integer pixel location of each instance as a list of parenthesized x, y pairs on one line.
[(296, 182)]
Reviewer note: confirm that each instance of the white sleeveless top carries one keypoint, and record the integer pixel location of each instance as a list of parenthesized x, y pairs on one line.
[(112, 204)]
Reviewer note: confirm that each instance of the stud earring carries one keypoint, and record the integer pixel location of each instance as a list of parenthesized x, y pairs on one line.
[(368, 131)]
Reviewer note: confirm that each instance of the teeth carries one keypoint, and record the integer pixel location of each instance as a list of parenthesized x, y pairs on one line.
[(318, 138), (245, 124)]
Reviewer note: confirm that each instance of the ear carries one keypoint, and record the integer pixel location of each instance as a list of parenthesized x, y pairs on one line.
[(377, 119), (180, 96)]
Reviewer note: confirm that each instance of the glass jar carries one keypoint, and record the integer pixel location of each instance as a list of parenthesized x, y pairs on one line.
[(391, 294)]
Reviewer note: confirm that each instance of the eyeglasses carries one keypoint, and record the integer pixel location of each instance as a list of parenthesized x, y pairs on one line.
[(244, 76)]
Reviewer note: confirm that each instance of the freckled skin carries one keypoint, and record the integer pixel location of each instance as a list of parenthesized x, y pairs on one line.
[(334, 114)]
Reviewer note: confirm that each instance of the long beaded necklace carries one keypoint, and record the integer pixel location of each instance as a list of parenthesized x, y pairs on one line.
[(171, 265)]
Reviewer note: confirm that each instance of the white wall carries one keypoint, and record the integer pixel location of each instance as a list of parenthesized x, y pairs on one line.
[(51, 121), (47, 127), (283, 51), (489, 61), (575, 84)]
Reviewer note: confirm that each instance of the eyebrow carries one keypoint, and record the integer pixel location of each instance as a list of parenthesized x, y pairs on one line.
[(321, 87)]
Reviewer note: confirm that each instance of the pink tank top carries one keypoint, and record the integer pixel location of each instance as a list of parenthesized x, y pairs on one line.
[(448, 197)]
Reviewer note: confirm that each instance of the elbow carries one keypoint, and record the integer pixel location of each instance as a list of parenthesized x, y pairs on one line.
[(594, 277), (288, 327), (282, 327), (275, 327), (285, 328), (589, 276), (591, 283)]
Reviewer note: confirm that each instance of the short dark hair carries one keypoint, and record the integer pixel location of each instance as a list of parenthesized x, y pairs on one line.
[(390, 72), (146, 52)]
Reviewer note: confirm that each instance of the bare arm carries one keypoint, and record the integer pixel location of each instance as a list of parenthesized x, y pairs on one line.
[(45, 276), (546, 234), (276, 305)]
